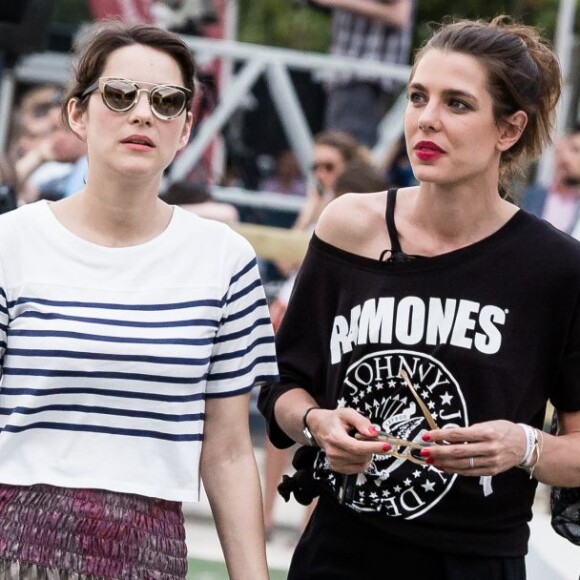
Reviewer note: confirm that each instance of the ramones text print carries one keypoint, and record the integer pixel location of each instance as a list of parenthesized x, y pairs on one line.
[(411, 320)]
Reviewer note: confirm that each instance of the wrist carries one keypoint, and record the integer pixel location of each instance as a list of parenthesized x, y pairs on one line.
[(534, 446), (306, 429)]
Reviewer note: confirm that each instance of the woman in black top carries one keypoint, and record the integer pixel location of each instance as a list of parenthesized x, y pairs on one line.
[(417, 354)]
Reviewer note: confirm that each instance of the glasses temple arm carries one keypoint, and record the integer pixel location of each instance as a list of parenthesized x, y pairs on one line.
[(424, 409)]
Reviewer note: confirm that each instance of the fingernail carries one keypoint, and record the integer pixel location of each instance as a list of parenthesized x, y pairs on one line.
[(425, 453), (372, 430), (426, 437), (386, 447), (430, 460)]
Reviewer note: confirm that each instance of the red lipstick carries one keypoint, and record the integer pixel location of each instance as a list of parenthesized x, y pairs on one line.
[(428, 151)]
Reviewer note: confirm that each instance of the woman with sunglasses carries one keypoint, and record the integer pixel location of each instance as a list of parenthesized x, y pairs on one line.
[(132, 333), (333, 151), (427, 330)]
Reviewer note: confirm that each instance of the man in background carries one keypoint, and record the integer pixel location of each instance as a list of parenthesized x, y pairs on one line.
[(378, 30), (559, 203)]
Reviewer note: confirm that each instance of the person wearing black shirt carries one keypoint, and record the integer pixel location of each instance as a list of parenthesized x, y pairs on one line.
[(427, 331)]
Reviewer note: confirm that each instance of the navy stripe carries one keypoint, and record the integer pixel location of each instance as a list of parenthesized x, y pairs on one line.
[(131, 323), (240, 353), (245, 291), (241, 372), (13, 391), (249, 266), (242, 333), (102, 429), (106, 356), (112, 306), (104, 411), (258, 381), (3, 309), (246, 311), (3, 327), (2, 344), (105, 338), (102, 375), (2, 293)]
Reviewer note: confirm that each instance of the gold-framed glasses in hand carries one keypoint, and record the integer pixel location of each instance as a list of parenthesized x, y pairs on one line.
[(403, 448)]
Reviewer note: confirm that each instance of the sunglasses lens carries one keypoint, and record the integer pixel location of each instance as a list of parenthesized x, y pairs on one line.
[(167, 102), (119, 95)]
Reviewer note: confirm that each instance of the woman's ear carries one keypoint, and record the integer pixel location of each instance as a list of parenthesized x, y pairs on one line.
[(77, 118), (511, 129), (184, 139)]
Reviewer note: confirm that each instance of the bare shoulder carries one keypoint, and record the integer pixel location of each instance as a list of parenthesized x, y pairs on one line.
[(354, 221)]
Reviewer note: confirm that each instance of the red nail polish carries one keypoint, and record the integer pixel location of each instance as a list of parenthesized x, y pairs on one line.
[(426, 437), (430, 460), (372, 430), (386, 447), (425, 453)]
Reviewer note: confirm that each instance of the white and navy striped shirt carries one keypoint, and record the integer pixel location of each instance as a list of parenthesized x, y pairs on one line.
[(109, 354)]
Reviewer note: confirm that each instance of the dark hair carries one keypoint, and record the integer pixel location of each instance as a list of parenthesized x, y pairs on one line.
[(345, 143), (9, 185), (186, 192), (106, 37), (360, 177), (523, 75)]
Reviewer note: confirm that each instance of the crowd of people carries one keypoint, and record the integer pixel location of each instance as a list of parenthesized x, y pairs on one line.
[(405, 385)]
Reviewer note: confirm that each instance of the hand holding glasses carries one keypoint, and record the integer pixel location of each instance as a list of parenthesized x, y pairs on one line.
[(121, 95), (402, 448)]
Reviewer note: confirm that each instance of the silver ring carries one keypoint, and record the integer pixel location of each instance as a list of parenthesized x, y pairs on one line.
[(471, 463)]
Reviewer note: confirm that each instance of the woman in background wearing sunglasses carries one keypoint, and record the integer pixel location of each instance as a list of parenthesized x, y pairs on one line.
[(427, 330), (333, 151), (131, 335)]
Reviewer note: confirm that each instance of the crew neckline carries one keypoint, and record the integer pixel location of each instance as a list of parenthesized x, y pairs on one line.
[(58, 229)]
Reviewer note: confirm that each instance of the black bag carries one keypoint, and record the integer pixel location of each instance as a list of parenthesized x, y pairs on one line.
[(565, 506)]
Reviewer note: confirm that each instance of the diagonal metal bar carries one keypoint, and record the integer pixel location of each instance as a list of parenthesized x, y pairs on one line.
[(231, 99), (290, 113)]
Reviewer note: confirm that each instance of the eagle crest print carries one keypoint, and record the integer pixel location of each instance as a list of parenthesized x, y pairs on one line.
[(380, 386)]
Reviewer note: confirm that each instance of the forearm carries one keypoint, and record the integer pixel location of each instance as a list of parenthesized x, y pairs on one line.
[(232, 485), (289, 412), (27, 164), (393, 14), (559, 460)]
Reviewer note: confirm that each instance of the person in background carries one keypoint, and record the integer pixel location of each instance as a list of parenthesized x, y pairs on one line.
[(195, 196), (376, 30), (427, 330), (559, 203), (131, 335), (333, 150), (52, 161), (287, 178)]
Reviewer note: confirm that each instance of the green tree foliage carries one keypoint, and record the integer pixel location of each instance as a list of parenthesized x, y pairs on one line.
[(541, 13), (282, 23), (71, 11), (285, 23)]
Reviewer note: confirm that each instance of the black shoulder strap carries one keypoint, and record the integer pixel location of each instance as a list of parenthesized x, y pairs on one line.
[(395, 248), (390, 218)]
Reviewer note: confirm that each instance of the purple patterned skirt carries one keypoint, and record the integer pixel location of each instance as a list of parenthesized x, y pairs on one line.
[(59, 533)]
